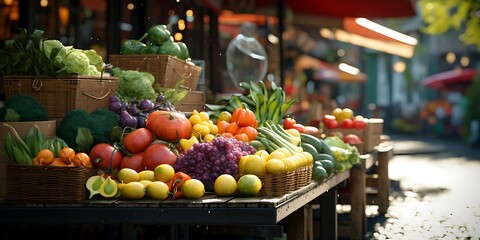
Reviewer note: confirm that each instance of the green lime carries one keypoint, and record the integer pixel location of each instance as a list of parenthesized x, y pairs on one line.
[(132, 46), (158, 34)]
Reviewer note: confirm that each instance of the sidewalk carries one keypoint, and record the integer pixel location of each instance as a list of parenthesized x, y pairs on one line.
[(433, 193)]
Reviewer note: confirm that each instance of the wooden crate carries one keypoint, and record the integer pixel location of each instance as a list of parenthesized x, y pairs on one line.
[(373, 133), (167, 70), (194, 100), (60, 95)]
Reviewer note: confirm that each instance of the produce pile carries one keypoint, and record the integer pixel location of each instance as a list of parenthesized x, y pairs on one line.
[(36, 56), (142, 147)]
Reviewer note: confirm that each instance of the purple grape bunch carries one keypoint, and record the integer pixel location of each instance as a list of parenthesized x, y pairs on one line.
[(208, 160)]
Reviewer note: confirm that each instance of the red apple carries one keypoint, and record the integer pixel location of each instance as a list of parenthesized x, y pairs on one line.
[(346, 123), (330, 121)]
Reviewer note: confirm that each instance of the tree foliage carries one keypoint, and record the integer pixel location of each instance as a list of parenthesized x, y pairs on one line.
[(440, 16)]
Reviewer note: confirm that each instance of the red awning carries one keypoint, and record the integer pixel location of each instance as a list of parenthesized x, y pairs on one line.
[(453, 79), (348, 8)]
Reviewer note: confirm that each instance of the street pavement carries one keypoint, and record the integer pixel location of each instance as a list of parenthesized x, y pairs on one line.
[(435, 191)]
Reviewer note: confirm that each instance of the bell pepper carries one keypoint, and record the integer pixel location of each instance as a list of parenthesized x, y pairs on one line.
[(175, 185), (188, 143)]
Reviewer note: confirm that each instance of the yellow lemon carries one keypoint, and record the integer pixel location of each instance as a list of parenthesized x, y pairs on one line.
[(195, 119), (225, 116), (193, 188), (208, 138), (145, 182), (308, 156), (204, 116), (336, 112), (276, 154), (262, 153), (133, 190), (127, 175), (241, 163), (147, 175), (249, 185), (163, 172), (301, 159), (255, 165), (275, 166), (157, 190), (290, 164), (285, 151), (225, 185)]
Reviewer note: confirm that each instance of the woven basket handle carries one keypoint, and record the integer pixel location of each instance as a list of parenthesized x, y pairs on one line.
[(37, 84), (95, 97), (187, 75)]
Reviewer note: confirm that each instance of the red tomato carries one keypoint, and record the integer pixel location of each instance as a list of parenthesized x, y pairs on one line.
[(352, 139), (346, 123), (299, 127), (105, 156), (138, 140), (158, 153), (288, 123), (330, 121), (169, 126), (359, 124), (134, 161)]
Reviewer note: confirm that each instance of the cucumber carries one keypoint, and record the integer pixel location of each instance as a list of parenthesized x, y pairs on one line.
[(326, 149), (310, 149), (328, 165), (315, 142), (324, 156), (257, 145)]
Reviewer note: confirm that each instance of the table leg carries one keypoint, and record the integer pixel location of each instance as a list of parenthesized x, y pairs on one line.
[(358, 200), (328, 215)]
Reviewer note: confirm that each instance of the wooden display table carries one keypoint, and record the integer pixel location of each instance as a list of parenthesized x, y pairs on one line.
[(209, 210)]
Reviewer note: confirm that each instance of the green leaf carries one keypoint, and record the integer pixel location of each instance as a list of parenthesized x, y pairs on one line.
[(84, 139)]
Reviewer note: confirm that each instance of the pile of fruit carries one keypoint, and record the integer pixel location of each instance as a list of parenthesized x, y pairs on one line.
[(174, 155)]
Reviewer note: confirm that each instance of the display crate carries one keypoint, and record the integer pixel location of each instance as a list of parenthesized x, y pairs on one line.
[(167, 70), (194, 100), (59, 95), (47, 184), (373, 133)]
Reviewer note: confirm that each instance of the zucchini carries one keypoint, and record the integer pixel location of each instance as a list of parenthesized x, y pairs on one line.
[(324, 156), (328, 165), (326, 149), (315, 142), (310, 149)]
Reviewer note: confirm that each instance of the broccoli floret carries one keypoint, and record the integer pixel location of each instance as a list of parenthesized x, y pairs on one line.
[(134, 84), (100, 123), (104, 121), (22, 108), (70, 124)]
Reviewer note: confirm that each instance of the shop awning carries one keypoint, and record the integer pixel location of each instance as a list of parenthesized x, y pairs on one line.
[(348, 8), (457, 79), (323, 71)]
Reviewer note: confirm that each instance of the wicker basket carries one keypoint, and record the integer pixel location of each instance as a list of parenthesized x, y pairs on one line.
[(166, 69), (50, 184), (277, 184), (303, 176), (63, 94)]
